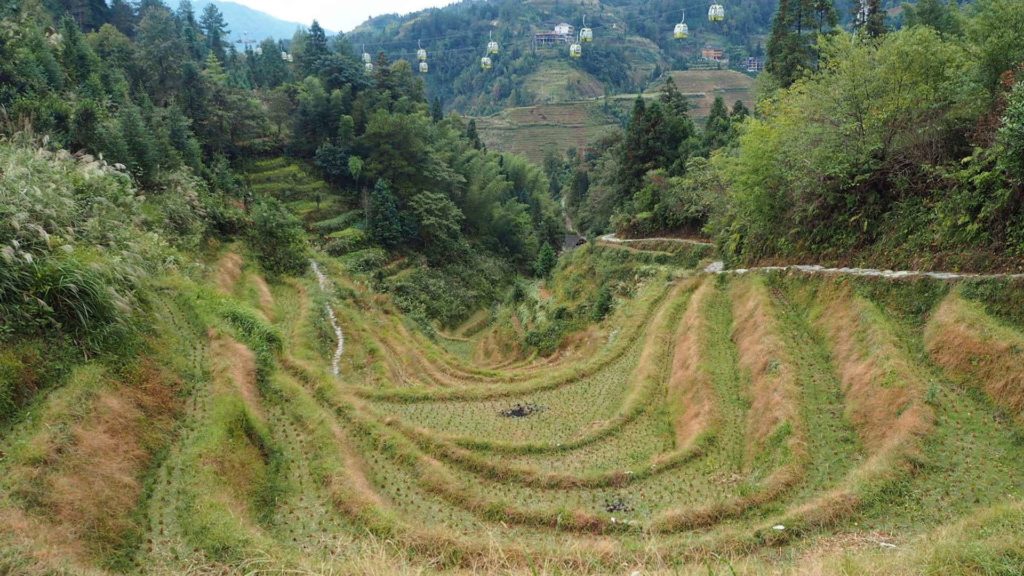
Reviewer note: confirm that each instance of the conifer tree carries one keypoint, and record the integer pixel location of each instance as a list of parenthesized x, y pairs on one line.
[(795, 29), (385, 225), (546, 261), (869, 18), (216, 30)]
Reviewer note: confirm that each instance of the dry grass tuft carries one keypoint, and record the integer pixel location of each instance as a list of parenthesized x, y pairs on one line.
[(974, 348), (690, 392), (227, 273), (234, 363), (884, 392), (774, 393)]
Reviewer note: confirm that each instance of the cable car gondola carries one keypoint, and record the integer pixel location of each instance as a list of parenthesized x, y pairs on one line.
[(716, 13), (492, 47), (368, 66), (424, 67), (586, 34), (486, 64), (421, 54), (576, 51), (682, 31)]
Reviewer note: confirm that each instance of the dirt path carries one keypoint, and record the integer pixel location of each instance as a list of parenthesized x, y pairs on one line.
[(613, 239), (338, 334), (719, 268)]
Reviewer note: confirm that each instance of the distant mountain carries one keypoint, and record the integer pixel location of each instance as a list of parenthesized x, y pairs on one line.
[(244, 21)]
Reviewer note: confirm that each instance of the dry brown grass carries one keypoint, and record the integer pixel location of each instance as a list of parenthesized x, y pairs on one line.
[(975, 349), (884, 396), (775, 396), (883, 390), (227, 272), (690, 392), (90, 484), (263, 295), (235, 364)]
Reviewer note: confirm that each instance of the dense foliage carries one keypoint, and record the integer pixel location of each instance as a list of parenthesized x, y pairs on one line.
[(896, 149), (163, 92)]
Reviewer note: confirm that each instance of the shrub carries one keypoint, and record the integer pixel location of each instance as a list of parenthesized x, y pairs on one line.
[(278, 239)]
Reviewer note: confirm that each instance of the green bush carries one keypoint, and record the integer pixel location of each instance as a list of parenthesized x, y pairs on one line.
[(278, 239)]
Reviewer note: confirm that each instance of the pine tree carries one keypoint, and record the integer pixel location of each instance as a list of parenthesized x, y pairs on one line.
[(190, 31), (385, 225), (473, 135), (315, 50), (795, 29), (216, 30), (436, 110), (739, 111), (869, 18), (938, 14), (546, 261), (673, 99), (122, 17), (717, 127)]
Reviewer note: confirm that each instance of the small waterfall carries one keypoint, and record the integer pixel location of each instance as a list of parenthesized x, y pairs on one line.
[(339, 335)]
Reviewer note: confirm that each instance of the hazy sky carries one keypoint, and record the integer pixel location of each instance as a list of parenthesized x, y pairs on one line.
[(338, 15)]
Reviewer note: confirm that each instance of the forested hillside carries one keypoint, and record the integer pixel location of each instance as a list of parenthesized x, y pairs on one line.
[(895, 147), (275, 309)]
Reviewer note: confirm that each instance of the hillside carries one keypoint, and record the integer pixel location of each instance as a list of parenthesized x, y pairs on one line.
[(536, 131), (633, 44), (557, 126), (268, 316), (701, 87), (797, 423)]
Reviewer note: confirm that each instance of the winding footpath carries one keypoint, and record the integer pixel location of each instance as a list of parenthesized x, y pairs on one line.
[(325, 287), (719, 266)]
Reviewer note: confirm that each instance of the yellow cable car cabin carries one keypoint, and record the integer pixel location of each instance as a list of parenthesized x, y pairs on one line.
[(421, 55), (716, 13), (682, 31), (586, 35), (486, 64), (576, 51), (367, 59), (492, 47), (368, 66), (424, 67)]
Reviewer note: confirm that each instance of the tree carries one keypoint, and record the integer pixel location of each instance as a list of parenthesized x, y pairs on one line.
[(794, 32), (160, 51), (869, 18), (278, 238), (384, 224), (546, 261), (473, 135), (739, 110), (938, 14), (1011, 137), (315, 49), (717, 126), (190, 31), (439, 221), (436, 110), (122, 17), (216, 30)]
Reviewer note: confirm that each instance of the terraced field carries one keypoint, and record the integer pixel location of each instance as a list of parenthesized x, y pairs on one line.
[(765, 423), (563, 121)]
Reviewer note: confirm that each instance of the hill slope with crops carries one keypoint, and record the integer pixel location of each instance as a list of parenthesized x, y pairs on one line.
[(772, 422)]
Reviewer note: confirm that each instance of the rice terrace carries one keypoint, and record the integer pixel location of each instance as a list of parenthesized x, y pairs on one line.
[(415, 299)]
